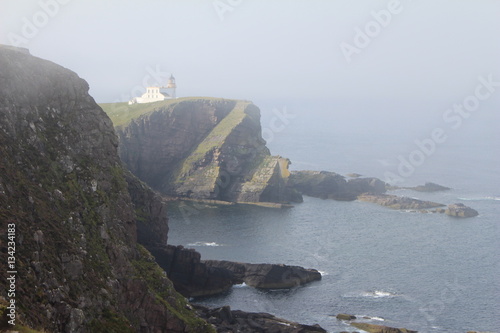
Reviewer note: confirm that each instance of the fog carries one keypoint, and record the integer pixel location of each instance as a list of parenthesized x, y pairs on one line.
[(403, 62)]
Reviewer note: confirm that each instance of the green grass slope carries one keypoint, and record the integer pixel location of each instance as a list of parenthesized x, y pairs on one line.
[(122, 113)]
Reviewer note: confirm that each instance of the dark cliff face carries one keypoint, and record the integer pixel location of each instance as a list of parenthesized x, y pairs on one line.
[(80, 268), (204, 148)]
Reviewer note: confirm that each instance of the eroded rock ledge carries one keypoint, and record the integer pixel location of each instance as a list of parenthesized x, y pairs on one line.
[(396, 202), (427, 187), (193, 277), (266, 276), (330, 185)]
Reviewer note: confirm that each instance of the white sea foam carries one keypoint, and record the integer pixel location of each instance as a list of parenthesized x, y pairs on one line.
[(204, 244), (487, 198), (371, 294), (370, 318), (241, 285), (323, 273), (377, 294)]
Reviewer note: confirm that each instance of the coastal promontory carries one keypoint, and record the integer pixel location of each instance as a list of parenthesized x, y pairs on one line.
[(201, 148)]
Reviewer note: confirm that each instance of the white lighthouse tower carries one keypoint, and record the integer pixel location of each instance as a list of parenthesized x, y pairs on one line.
[(171, 87)]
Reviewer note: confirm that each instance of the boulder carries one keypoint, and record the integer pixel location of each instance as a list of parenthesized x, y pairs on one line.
[(344, 316), (460, 210)]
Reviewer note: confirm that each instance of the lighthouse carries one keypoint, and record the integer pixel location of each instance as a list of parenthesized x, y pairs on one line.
[(155, 93), (171, 86)]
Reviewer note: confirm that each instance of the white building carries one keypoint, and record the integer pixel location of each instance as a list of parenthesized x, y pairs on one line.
[(155, 94)]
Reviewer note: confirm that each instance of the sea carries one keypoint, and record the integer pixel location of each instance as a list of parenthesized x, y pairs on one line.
[(421, 271)]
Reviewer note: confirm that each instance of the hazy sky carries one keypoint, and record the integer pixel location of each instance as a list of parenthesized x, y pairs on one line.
[(266, 50)]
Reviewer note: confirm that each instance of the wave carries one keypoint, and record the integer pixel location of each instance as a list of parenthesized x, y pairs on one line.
[(323, 273), (241, 285), (369, 318), (488, 198), (372, 294), (204, 244), (378, 294)]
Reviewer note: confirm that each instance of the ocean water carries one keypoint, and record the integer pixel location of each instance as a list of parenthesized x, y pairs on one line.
[(427, 272)]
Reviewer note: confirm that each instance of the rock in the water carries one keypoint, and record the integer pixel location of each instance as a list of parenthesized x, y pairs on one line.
[(267, 276), (330, 185), (354, 175), (395, 202), (227, 320), (460, 210), (430, 187), (344, 316), (372, 328), (320, 184), (427, 187)]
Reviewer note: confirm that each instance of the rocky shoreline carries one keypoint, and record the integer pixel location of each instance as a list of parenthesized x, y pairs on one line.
[(227, 320), (372, 328)]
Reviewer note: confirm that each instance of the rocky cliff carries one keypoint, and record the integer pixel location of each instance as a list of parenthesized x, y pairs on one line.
[(201, 148), (69, 207)]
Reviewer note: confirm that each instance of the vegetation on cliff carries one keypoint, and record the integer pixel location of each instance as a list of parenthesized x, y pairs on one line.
[(79, 266)]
